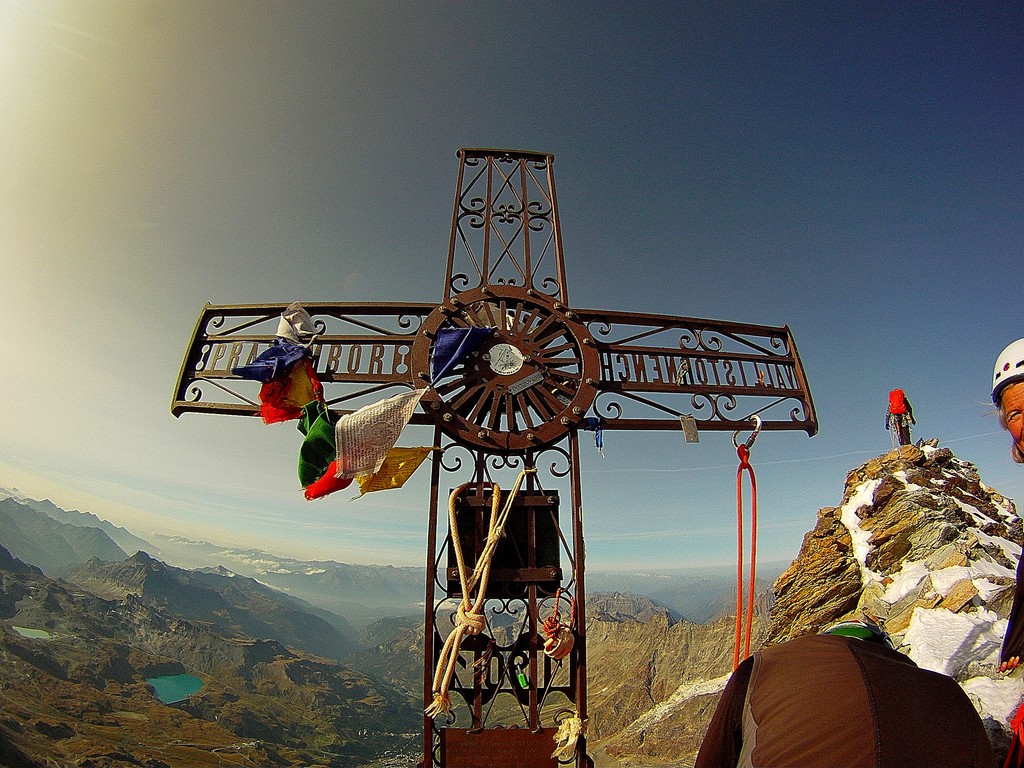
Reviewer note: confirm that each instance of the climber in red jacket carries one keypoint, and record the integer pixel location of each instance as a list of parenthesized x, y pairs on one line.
[(899, 417), (844, 697)]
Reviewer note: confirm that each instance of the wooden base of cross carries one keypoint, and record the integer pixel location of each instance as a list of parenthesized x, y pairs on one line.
[(517, 402)]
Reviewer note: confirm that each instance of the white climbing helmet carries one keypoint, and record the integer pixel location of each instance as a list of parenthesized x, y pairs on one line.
[(1009, 368)]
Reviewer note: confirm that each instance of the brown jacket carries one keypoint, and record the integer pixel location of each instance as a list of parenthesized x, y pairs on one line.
[(825, 700)]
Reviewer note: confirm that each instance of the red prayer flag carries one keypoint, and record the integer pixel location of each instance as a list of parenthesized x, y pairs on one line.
[(283, 399), (327, 484)]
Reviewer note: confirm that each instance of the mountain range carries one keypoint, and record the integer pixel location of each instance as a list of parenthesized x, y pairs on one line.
[(360, 593), (227, 603), (122, 537), (55, 547), (917, 540), (74, 691)]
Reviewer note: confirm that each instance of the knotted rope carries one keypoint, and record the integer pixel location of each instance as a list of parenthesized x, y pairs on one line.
[(559, 635), (567, 737), (469, 617)]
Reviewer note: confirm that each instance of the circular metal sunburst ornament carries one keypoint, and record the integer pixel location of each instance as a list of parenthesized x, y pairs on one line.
[(527, 385)]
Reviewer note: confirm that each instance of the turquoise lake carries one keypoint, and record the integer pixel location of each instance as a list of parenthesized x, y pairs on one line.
[(174, 688), (36, 634)]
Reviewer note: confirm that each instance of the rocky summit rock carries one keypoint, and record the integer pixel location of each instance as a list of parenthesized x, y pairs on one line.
[(923, 546), (916, 529)]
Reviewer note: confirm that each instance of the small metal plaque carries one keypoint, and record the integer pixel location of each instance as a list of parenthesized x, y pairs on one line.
[(524, 384), (689, 425), (497, 748)]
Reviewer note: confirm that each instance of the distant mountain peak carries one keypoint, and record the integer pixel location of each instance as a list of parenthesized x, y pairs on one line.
[(617, 606), (11, 564), (145, 559)]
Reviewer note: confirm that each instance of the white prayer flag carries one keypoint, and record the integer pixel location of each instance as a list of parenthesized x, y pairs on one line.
[(296, 325), (365, 436)]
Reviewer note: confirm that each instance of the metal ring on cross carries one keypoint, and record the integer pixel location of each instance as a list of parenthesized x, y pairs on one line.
[(529, 383)]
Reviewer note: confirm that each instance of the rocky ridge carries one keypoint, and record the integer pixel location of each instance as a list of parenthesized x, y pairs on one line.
[(230, 604)]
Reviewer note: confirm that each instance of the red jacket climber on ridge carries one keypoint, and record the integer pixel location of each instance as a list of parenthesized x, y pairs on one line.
[(899, 417)]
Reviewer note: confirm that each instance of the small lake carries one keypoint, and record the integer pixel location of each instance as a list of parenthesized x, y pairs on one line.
[(174, 688), (36, 634)]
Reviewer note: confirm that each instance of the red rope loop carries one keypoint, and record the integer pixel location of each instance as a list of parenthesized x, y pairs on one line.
[(743, 452)]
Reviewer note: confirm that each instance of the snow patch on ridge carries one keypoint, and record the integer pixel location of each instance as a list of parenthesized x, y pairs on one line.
[(681, 695), (1011, 549), (902, 477), (862, 497), (995, 697), (953, 644), (905, 581), (943, 641), (973, 512)]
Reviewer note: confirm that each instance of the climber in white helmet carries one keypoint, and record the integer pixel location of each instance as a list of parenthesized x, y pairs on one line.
[(1008, 395)]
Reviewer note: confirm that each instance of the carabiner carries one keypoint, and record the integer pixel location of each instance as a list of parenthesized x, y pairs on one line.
[(753, 435)]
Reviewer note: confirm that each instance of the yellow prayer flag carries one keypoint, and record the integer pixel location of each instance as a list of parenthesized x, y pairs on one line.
[(301, 389), (398, 467)]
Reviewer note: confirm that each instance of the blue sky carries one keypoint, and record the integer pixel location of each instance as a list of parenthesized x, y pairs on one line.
[(853, 170)]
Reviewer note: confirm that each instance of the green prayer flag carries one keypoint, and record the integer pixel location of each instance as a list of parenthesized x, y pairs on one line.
[(318, 449)]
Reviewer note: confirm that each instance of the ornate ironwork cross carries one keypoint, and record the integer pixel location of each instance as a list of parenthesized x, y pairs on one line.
[(546, 372)]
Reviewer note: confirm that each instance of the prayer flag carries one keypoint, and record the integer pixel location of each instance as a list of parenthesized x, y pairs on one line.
[(296, 325), (396, 469), (283, 399), (365, 436), (317, 450), (327, 484), (452, 345), (595, 425), (273, 363)]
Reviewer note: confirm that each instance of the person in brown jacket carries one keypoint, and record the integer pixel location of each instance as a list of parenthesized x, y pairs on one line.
[(842, 698)]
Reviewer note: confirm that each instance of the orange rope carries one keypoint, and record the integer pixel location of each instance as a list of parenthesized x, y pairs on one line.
[(743, 451)]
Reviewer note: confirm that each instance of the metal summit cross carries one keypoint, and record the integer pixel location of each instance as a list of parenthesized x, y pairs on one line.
[(518, 402)]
